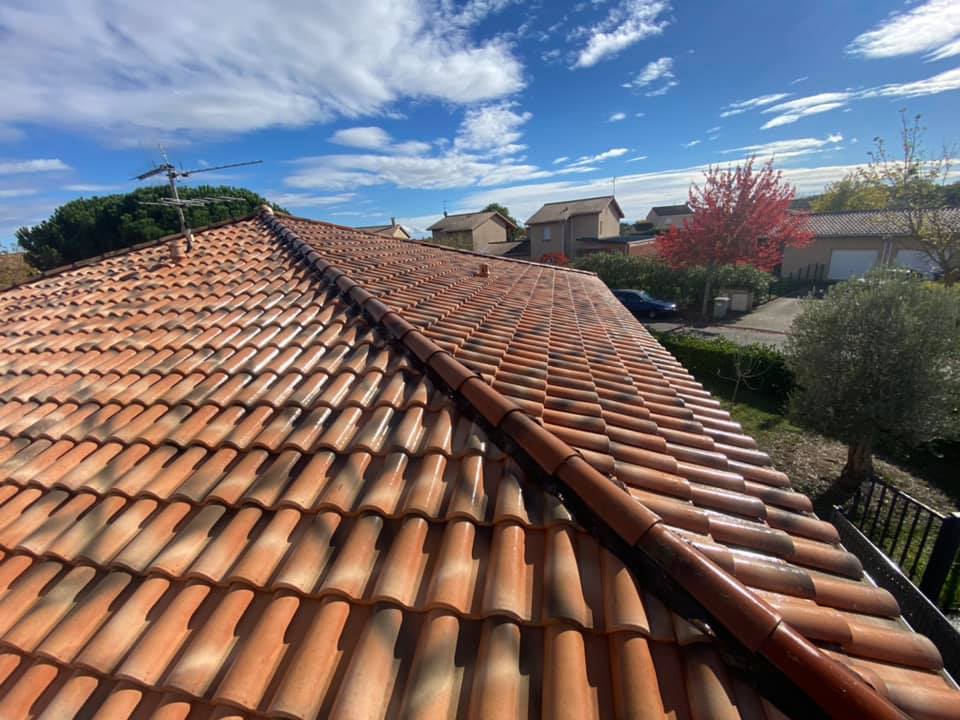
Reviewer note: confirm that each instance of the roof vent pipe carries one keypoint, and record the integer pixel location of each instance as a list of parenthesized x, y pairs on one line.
[(176, 250), (484, 270)]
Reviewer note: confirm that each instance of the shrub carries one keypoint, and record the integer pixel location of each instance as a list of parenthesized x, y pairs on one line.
[(719, 359), (878, 358), (684, 286)]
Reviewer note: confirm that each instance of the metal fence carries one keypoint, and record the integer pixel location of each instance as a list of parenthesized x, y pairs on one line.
[(920, 540)]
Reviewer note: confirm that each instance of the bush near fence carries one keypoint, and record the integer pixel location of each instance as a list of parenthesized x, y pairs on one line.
[(683, 286), (716, 358)]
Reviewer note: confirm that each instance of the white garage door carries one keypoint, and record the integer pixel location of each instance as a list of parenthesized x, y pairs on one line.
[(846, 264), (915, 260)]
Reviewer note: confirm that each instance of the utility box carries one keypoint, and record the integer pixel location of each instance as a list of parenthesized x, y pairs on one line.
[(741, 300), (721, 306)]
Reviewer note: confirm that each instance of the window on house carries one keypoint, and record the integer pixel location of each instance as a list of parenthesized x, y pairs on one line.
[(546, 233)]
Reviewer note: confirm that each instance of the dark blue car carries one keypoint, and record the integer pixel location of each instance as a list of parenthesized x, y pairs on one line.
[(645, 306)]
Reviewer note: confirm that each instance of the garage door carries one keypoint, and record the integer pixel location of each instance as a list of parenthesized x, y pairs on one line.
[(915, 260), (846, 264)]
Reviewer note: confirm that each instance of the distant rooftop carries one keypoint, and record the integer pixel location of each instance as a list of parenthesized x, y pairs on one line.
[(466, 221), (667, 210), (865, 223), (563, 209)]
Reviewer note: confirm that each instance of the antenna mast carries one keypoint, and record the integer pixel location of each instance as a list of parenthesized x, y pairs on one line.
[(167, 168)]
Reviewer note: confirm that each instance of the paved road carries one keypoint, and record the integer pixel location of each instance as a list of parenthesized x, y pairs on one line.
[(768, 324)]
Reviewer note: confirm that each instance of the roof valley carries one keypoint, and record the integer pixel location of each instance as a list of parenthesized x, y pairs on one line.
[(742, 614)]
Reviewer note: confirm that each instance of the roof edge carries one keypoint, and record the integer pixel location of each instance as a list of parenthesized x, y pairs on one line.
[(838, 692)]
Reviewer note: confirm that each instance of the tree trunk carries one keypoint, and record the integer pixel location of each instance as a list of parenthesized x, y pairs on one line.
[(859, 467), (706, 294)]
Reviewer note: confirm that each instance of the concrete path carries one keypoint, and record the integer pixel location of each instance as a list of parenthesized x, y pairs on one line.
[(767, 325)]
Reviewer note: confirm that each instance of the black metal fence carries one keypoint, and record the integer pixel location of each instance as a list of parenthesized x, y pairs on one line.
[(920, 540)]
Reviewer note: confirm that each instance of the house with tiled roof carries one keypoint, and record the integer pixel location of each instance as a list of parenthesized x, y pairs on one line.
[(394, 230), (484, 232), (572, 226), (304, 471), (663, 216), (849, 243)]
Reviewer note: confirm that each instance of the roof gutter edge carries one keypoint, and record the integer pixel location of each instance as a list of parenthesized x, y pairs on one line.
[(754, 623)]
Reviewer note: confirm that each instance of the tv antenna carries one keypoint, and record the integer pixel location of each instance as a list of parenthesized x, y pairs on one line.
[(167, 168)]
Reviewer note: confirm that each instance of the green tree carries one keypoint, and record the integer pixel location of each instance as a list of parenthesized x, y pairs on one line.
[(916, 182), (88, 227), (878, 359), (502, 209), (855, 191)]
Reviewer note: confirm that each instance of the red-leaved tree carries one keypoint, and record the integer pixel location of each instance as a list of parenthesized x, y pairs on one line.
[(740, 216)]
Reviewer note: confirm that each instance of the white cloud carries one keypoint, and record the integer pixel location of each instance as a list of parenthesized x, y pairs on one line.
[(714, 130), (793, 110), (370, 138), (600, 157), (92, 188), (788, 148), (663, 90), (797, 81), (617, 117), (18, 167), (492, 129), (653, 71), (17, 192), (744, 105), (640, 115), (638, 158), (627, 23), (688, 145), (305, 200), (136, 71), (561, 159), (932, 28)]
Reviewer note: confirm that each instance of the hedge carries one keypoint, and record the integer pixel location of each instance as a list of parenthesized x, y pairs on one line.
[(683, 286), (715, 359)]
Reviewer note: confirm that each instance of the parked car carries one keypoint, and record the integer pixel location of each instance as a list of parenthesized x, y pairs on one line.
[(643, 305)]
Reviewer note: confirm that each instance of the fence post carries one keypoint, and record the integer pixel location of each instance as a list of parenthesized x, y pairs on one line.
[(941, 558)]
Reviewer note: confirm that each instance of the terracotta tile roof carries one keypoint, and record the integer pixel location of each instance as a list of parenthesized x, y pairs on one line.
[(468, 221), (866, 223), (291, 477)]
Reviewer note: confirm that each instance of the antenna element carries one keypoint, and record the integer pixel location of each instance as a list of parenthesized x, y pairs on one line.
[(169, 169)]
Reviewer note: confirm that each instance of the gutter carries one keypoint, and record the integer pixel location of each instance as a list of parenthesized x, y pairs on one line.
[(804, 681)]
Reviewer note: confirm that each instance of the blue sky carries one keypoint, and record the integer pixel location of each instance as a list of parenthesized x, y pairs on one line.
[(371, 109)]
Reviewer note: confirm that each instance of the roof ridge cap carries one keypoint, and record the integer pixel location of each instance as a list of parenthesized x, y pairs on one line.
[(742, 613)]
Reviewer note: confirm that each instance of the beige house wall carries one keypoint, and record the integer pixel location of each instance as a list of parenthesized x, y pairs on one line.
[(797, 260), (538, 245), (462, 240), (488, 233), (609, 223)]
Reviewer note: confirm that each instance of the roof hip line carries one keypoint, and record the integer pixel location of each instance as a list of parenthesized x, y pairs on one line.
[(837, 691)]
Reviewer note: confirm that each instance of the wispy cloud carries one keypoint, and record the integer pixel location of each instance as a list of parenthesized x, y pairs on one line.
[(17, 192), (688, 145), (638, 158), (743, 106), (372, 138), (599, 157), (20, 167), (627, 23), (662, 90), (932, 28), (109, 74), (788, 148), (653, 71), (492, 130), (797, 81), (617, 117), (306, 200), (92, 188), (793, 110), (561, 159)]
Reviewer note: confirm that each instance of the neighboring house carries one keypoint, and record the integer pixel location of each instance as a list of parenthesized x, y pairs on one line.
[(483, 232), (392, 230), (664, 216), (848, 244), (569, 225), (307, 472)]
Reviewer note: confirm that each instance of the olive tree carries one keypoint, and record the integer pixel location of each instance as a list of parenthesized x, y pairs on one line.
[(878, 358)]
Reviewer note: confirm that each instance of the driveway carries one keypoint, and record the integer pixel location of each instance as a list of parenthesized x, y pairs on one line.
[(767, 325)]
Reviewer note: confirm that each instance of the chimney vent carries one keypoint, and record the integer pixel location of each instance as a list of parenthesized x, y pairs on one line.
[(176, 251), (484, 270), (393, 222)]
